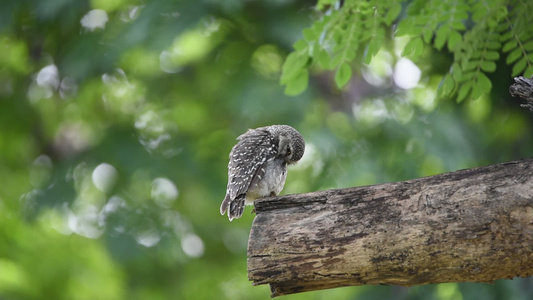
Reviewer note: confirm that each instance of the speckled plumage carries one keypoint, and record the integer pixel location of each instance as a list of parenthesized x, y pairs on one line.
[(258, 165)]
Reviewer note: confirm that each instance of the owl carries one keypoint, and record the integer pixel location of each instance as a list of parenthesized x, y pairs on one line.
[(258, 165)]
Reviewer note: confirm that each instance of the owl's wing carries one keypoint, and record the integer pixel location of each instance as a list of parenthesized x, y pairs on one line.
[(247, 158)]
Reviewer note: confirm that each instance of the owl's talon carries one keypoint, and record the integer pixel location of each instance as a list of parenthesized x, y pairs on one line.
[(272, 194), (253, 211)]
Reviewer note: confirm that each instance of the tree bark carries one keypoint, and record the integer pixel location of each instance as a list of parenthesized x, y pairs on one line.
[(523, 88), (472, 225)]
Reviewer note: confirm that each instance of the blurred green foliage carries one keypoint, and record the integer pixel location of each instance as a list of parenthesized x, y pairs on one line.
[(476, 32), (117, 117)]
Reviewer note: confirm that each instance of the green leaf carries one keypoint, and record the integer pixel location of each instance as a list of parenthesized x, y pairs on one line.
[(456, 72), (318, 26), (528, 46), (446, 86), (393, 13), (337, 36), (513, 56), (519, 67), (441, 36), (298, 83), (300, 45), (421, 19), (293, 65), (504, 37), (478, 14), (454, 39), (463, 91), (322, 56), (336, 60), (470, 65), (366, 35), (321, 4), (458, 25), (477, 91), (501, 12), (343, 75), (354, 44), (350, 53), (502, 27), (441, 18), (529, 71), (405, 27), (467, 76), (492, 55), (491, 24), (482, 85), (473, 53), (462, 12), (414, 48), (372, 49), (309, 35), (427, 35), (488, 66), (494, 45), (484, 81), (510, 45), (524, 35)]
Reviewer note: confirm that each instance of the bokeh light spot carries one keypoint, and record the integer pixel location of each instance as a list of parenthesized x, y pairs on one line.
[(406, 74), (192, 245), (104, 177), (84, 221), (164, 192), (267, 61), (148, 238), (378, 72), (94, 19)]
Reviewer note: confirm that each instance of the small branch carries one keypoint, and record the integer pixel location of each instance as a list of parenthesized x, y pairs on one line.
[(523, 87), (472, 225)]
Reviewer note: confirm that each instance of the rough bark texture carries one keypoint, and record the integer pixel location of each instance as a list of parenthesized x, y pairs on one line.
[(471, 225), (523, 88)]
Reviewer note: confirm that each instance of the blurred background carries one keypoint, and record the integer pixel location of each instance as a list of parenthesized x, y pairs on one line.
[(117, 118)]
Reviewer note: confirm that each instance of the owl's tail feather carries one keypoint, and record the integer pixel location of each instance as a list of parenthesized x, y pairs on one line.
[(236, 207), (224, 205)]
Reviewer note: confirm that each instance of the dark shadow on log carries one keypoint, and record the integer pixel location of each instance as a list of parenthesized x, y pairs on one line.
[(472, 225)]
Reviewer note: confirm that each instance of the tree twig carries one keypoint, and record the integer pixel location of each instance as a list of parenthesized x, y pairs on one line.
[(523, 88)]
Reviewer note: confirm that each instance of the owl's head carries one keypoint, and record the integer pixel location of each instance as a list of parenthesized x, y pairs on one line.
[(291, 143)]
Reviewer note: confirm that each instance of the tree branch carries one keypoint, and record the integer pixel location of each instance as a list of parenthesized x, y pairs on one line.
[(472, 225), (523, 88)]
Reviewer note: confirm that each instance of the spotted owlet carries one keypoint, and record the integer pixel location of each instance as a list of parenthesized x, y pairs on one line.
[(258, 165)]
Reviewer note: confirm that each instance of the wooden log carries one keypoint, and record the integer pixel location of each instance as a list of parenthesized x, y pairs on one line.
[(472, 225)]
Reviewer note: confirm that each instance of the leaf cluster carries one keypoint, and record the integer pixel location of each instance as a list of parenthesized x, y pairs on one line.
[(335, 40), (476, 32), (500, 28)]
